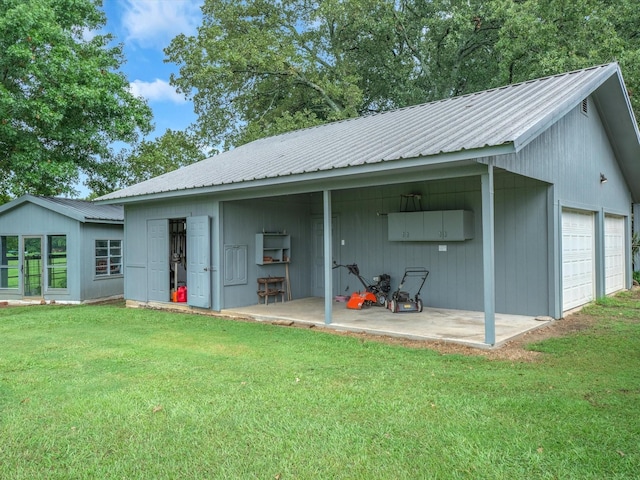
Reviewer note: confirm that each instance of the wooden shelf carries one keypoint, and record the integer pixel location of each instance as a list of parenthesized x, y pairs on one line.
[(273, 248)]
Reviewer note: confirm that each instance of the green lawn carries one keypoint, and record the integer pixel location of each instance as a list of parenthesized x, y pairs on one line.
[(108, 392)]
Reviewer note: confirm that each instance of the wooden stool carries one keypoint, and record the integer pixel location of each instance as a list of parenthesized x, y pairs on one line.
[(270, 287)]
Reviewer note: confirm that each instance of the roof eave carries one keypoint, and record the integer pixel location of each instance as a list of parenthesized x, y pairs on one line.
[(61, 209), (568, 103), (315, 176)]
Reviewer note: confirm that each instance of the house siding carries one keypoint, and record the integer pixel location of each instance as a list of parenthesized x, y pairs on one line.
[(571, 154), (242, 219), (455, 279), (137, 255), (98, 287), (29, 219)]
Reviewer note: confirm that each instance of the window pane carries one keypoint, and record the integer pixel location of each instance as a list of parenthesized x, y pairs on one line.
[(9, 277), (57, 277), (8, 249), (108, 257), (57, 257), (101, 266)]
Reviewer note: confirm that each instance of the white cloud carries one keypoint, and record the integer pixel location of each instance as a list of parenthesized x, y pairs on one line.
[(153, 23), (156, 91)]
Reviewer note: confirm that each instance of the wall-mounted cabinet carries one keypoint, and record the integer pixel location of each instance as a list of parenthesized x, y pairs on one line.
[(273, 248), (431, 226)]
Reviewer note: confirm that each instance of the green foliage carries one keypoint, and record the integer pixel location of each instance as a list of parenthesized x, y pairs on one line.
[(62, 99), (635, 250), (108, 392), (147, 159), (258, 68)]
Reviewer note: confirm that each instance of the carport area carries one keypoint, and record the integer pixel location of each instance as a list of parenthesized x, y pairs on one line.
[(435, 324)]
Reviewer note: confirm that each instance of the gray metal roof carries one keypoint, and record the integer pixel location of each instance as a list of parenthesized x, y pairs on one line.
[(81, 210), (508, 116)]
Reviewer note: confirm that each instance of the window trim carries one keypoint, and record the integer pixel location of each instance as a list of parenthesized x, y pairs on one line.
[(7, 268), (49, 266), (112, 252)]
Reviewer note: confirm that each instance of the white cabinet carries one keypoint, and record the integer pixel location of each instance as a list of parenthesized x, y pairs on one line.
[(273, 248), (405, 227), (431, 226)]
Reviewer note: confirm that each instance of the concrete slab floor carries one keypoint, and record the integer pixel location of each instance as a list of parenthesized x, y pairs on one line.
[(457, 326)]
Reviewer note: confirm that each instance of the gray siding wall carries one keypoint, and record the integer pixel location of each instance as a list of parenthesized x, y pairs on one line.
[(571, 154), (521, 245), (242, 219), (135, 234), (30, 219), (455, 279), (98, 287)]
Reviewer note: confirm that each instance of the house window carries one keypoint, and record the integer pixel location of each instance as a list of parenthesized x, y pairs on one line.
[(57, 261), (9, 270), (108, 257)]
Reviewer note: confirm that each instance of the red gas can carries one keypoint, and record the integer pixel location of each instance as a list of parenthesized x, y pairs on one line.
[(181, 294)]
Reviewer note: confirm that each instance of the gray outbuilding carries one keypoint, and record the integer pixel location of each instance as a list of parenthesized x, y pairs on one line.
[(517, 200), (60, 249)]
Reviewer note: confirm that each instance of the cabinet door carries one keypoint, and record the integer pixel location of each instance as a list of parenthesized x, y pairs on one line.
[(414, 226), (457, 225), (433, 226), (405, 226), (396, 224)]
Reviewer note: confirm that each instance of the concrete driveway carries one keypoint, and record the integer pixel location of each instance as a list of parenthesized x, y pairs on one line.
[(458, 326)]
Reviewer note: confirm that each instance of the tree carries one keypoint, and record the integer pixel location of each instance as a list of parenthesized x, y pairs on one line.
[(258, 68), (147, 159), (63, 101)]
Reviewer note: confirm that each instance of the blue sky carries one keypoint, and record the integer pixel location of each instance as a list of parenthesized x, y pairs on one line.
[(145, 28)]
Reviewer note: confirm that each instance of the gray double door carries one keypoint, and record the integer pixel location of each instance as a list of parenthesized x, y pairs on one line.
[(198, 259)]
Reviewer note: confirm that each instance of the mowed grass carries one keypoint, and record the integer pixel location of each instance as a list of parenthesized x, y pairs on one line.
[(109, 392)]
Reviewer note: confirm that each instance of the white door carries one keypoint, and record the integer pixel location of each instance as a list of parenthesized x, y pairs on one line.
[(578, 258), (614, 257)]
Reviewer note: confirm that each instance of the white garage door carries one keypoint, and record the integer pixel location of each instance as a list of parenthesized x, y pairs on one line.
[(614, 258), (578, 258)]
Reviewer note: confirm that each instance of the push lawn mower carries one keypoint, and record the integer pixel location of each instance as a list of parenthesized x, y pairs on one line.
[(373, 294), (402, 301)]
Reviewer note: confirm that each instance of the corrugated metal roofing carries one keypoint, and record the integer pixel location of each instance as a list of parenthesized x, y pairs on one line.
[(510, 115), (81, 210), (89, 210)]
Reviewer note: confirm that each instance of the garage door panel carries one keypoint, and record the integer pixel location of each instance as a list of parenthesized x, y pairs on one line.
[(614, 254), (578, 258)]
